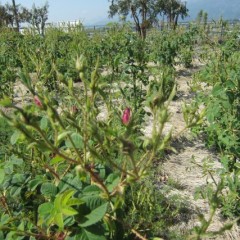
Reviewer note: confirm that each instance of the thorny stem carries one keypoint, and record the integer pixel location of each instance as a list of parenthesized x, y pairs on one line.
[(54, 149), (134, 165), (5, 204), (95, 178)]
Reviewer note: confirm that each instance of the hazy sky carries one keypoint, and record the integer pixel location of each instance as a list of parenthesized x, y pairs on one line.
[(88, 11)]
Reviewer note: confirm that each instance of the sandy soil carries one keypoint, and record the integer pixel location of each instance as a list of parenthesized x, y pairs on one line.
[(180, 167)]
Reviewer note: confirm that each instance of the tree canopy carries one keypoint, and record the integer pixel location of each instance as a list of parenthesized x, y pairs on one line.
[(15, 14), (146, 12)]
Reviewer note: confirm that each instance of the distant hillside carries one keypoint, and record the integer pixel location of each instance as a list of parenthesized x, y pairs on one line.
[(229, 9)]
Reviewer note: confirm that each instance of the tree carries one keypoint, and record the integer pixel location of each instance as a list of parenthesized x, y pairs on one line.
[(15, 14), (146, 12), (5, 17), (11, 12), (173, 9), (38, 17), (142, 12)]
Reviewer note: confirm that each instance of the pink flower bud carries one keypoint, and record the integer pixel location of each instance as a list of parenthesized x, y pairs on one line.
[(37, 101), (126, 116)]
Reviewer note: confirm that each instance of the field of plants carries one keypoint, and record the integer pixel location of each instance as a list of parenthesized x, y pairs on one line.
[(111, 136)]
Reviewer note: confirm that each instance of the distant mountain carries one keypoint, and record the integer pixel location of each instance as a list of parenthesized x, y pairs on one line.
[(228, 9)]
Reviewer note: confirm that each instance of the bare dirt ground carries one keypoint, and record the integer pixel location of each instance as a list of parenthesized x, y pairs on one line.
[(180, 166)]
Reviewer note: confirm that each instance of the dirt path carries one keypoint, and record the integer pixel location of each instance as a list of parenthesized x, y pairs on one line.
[(180, 167)]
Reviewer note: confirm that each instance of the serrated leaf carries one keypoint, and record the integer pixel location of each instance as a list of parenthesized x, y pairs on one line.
[(93, 201), (95, 216), (18, 178), (34, 183), (45, 208), (90, 234), (77, 140), (49, 189), (112, 181), (92, 189)]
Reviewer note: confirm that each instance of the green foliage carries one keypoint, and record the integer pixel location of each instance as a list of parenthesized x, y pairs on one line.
[(71, 165), (221, 127), (172, 47), (69, 170), (163, 209)]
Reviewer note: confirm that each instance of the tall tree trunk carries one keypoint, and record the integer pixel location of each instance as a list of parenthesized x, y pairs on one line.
[(137, 22), (144, 20), (15, 15), (175, 21)]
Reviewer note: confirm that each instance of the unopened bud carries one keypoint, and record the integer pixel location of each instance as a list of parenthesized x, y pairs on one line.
[(81, 63), (37, 101)]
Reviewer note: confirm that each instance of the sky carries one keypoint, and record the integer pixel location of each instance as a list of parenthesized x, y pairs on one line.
[(95, 12), (87, 11)]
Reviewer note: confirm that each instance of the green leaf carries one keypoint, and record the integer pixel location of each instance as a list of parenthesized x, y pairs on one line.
[(92, 189), (66, 196), (77, 140), (58, 218), (68, 211), (31, 145), (18, 178), (63, 135), (90, 234), (112, 181), (15, 137), (45, 208), (44, 123), (217, 89), (93, 201), (34, 183), (58, 203), (49, 189), (56, 160), (21, 226), (74, 202), (2, 175), (16, 160), (4, 219), (95, 216)]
